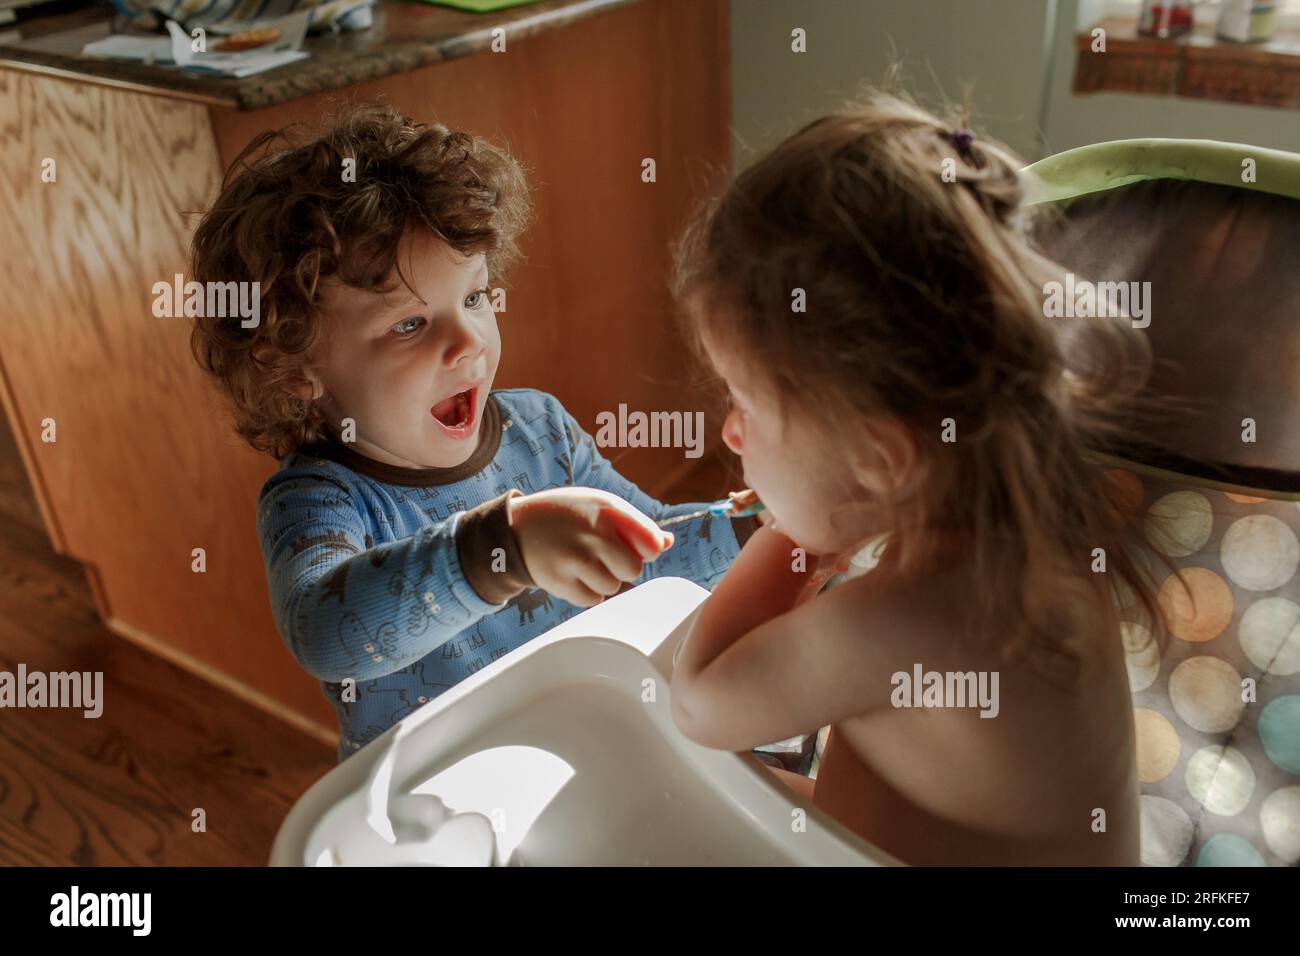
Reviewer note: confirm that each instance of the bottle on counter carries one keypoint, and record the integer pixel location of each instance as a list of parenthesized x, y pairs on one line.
[(1247, 21), (1165, 19)]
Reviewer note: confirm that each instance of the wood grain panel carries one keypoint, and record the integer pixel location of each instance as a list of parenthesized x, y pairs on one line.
[(145, 467)]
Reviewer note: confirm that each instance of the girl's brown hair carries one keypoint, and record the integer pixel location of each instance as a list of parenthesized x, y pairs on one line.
[(336, 204), (924, 300)]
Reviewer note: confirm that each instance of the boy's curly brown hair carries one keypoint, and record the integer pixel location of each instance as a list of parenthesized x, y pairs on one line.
[(288, 218)]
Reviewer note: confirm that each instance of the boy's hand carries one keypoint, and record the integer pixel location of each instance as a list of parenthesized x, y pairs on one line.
[(582, 544)]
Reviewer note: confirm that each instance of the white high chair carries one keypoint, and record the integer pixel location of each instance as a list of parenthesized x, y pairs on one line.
[(564, 752)]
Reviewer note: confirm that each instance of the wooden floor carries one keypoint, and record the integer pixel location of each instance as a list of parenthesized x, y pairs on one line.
[(121, 789)]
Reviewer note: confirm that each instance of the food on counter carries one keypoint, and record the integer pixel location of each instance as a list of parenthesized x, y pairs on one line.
[(248, 39)]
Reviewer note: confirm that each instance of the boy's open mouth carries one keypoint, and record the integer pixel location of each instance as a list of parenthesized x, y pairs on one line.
[(456, 413)]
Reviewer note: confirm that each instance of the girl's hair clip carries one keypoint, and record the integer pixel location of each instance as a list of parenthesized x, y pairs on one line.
[(963, 136), (962, 139)]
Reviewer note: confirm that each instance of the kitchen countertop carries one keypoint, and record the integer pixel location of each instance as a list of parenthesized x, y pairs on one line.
[(405, 35)]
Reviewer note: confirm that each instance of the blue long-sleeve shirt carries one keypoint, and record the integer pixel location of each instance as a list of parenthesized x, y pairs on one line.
[(367, 581)]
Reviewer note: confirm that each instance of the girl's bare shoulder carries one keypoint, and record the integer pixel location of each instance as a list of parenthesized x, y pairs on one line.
[(927, 613)]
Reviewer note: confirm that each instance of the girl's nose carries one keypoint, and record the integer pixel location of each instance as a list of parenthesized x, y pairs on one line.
[(731, 433)]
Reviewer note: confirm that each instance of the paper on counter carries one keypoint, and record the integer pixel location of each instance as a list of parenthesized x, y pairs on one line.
[(246, 62), (122, 46), (177, 48)]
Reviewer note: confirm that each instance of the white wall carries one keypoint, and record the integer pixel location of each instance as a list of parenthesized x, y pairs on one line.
[(1019, 53), (1001, 45), (1077, 120)]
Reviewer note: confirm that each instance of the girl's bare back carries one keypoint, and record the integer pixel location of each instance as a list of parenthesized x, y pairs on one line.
[(1051, 779)]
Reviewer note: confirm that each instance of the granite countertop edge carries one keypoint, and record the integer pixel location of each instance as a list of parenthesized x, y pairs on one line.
[(304, 78)]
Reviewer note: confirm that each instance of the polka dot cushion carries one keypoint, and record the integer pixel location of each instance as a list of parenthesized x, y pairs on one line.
[(1217, 712)]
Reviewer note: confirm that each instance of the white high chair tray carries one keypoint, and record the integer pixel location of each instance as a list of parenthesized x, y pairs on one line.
[(564, 752)]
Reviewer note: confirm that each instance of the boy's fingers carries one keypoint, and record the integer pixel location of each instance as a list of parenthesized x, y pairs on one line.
[(581, 595), (637, 531), (596, 578), (622, 561)]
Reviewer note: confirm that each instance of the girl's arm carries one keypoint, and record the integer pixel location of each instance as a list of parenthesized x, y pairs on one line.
[(762, 584), (760, 666)]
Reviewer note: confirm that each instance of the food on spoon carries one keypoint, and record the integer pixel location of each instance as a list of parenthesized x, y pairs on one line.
[(740, 500), (738, 504)]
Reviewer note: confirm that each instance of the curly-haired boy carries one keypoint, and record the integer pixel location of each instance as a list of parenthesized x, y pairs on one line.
[(415, 510)]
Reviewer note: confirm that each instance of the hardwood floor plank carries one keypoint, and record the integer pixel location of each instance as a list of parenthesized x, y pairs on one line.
[(121, 789)]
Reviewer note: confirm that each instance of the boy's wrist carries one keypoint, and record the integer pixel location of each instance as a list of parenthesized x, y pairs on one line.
[(489, 551)]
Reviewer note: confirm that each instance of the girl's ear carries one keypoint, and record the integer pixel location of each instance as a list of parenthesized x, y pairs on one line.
[(886, 460)]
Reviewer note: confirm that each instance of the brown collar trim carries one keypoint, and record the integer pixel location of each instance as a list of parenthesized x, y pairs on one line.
[(489, 443)]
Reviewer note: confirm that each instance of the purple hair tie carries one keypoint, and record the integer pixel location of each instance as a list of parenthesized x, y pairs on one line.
[(962, 139)]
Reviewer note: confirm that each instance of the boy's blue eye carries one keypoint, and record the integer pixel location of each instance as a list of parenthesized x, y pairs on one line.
[(408, 326), (475, 298)]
